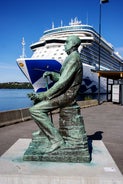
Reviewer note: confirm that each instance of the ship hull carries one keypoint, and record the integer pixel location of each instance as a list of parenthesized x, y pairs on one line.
[(34, 69)]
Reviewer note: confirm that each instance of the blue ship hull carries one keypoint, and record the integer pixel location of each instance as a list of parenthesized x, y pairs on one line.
[(34, 69)]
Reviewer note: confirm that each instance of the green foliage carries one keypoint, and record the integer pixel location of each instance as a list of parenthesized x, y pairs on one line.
[(16, 85)]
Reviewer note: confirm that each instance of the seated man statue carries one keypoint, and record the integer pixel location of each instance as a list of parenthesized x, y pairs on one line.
[(63, 93)]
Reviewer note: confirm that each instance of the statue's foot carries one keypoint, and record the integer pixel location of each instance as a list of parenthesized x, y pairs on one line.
[(54, 146)]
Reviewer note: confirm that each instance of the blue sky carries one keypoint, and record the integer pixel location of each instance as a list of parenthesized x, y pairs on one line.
[(30, 18)]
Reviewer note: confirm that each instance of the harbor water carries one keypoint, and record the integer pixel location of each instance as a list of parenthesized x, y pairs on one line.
[(13, 99)]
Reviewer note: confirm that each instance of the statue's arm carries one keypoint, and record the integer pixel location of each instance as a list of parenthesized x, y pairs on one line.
[(67, 76), (60, 87)]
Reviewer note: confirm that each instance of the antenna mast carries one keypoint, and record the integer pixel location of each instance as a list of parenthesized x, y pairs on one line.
[(53, 25), (23, 48), (87, 19)]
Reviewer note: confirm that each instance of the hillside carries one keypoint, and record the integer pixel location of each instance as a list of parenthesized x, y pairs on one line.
[(16, 85)]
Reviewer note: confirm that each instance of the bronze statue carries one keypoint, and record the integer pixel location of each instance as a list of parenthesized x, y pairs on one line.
[(69, 143), (63, 93)]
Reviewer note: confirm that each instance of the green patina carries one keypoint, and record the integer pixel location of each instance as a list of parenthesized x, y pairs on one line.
[(69, 143)]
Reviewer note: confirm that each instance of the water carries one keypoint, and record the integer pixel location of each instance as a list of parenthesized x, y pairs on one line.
[(13, 99)]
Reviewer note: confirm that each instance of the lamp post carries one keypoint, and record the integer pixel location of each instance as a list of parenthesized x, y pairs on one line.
[(100, 18)]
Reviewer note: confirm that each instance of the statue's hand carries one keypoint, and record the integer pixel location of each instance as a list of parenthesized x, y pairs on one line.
[(54, 76), (37, 97), (47, 74), (34, 97)]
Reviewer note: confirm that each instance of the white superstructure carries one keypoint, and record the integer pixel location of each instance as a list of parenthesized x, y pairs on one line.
[(51, 47)]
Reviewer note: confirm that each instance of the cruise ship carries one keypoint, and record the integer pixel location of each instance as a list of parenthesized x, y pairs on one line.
[(49, 54)]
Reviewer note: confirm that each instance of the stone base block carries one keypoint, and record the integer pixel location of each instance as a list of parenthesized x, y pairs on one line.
[(101, 170), (71, 151), (64, 154)]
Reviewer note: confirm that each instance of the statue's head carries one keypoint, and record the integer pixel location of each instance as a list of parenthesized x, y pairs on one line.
[(72, 41)]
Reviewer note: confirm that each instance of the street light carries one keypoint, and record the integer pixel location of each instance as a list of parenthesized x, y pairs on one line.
[(100, 17)]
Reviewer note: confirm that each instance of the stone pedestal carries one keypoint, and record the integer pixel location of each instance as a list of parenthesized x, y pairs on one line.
[(101, 170), (71, 127)]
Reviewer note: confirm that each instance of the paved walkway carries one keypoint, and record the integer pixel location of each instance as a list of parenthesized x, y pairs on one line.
[(106, 118)]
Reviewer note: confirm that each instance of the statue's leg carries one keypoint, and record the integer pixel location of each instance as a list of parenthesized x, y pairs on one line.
[(39, 113)]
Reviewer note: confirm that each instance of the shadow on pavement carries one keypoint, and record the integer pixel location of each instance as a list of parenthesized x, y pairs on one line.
[(96, 136)]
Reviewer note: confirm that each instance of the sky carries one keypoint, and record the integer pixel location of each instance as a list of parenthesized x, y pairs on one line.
[(30, 18)]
